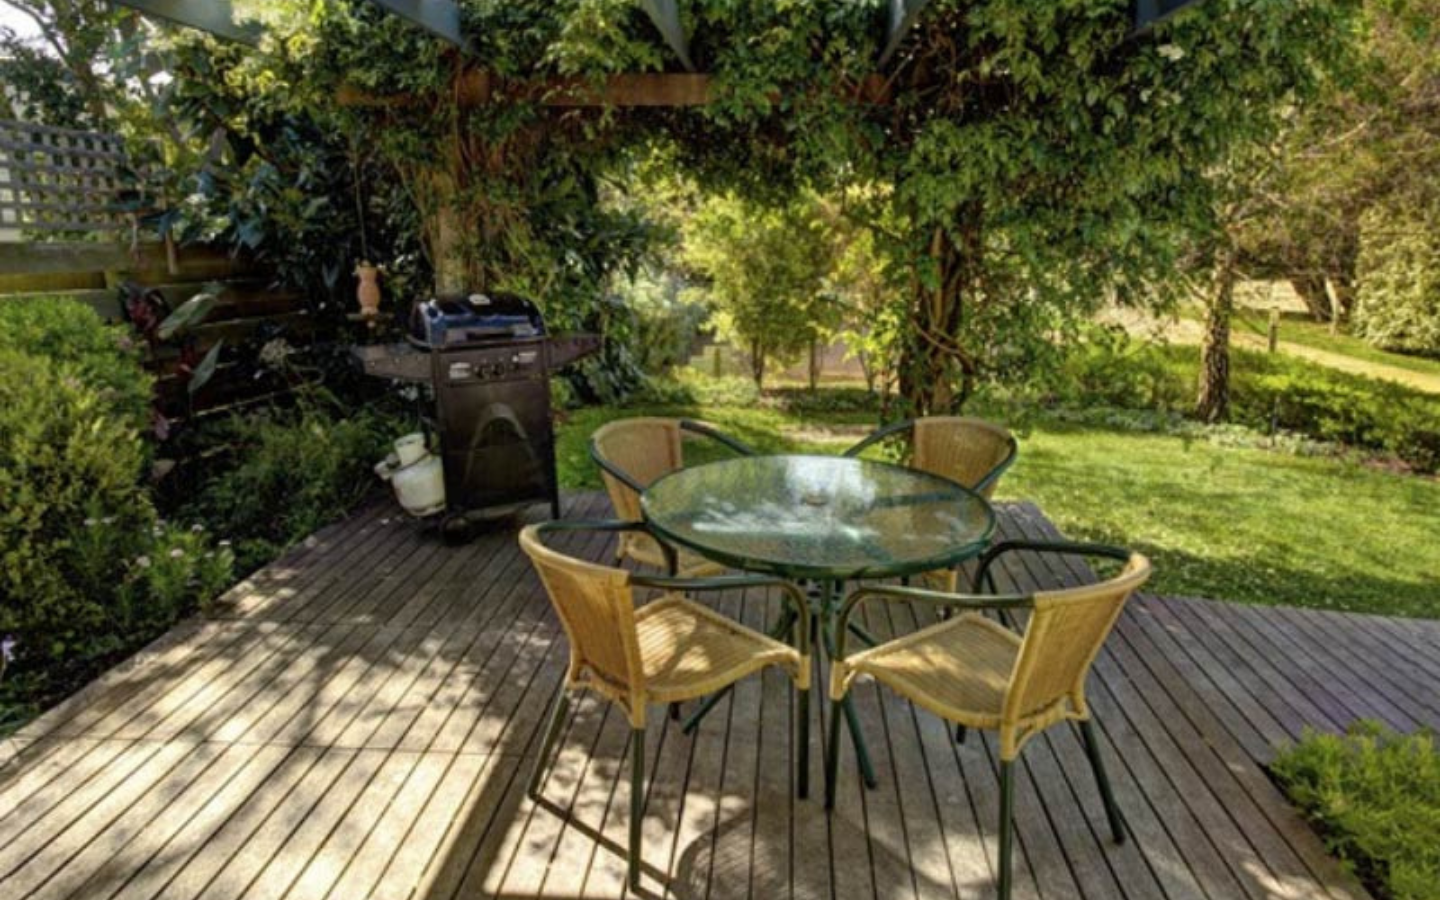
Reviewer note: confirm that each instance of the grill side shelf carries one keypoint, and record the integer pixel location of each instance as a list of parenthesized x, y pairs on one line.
[(566, 348), (400, 361)]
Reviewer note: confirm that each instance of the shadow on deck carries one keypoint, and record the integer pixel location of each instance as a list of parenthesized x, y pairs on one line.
[(360, 724)]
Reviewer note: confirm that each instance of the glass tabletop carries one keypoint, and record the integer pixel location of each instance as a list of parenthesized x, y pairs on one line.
[(822, 517)]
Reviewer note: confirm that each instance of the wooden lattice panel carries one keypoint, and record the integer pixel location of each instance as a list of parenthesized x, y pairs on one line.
[(60, 179)]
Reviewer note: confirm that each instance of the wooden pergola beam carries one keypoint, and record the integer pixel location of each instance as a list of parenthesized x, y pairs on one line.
[(214, 16)]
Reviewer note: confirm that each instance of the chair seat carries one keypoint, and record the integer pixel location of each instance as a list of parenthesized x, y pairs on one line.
[(644, 549), (687, 650), (958, 669)]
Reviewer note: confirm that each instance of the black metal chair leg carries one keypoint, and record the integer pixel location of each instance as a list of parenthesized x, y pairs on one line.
[(559, 709), (960, 733), (832, 755), (637, 802), (860, 632), (1007, 827), (674, 712), (802, 745), (1097, 765)]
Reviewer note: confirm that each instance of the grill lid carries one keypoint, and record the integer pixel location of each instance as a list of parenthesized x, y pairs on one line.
[(460, 319)]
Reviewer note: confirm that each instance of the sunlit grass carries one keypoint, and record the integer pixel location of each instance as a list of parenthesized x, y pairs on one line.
[(1251, 525)]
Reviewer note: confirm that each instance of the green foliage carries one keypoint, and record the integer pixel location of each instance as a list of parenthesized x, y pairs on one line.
[(67, 459), (666, 326), (767, 267), (1269, 391), (72, 333), (288, 474), (86, 571), (1375, 795), (1398, 303)]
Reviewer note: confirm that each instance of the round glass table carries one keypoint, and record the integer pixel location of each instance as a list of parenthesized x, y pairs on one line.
[(827, 519)]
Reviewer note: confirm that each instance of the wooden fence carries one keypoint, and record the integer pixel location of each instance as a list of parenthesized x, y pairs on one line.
[(94, 273)]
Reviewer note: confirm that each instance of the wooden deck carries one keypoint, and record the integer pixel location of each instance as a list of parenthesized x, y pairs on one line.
[(361, 723)]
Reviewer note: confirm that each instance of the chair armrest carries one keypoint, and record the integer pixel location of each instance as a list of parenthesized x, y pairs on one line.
[(1067, 548), (590, 525), (794, 596), (994, 474), (945, 599), (614, 471), (714, 434), (880, 435)]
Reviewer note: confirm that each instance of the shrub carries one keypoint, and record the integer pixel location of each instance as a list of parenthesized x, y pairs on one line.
[(666, 327), (68, 331), (1375, 795), (289, 473), (65, 459), (85, 568), (1397, 305)]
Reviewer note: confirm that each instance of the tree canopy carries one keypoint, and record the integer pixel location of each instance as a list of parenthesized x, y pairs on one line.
[(1021, 162)]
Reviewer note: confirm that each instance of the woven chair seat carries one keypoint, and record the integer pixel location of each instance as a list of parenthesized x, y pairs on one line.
[(645, 550), (688, 650), (958, 669)]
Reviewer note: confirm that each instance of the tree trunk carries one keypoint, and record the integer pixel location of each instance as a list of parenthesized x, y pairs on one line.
[(935, 362), (814, 365), (757, 363), (1213, 402)]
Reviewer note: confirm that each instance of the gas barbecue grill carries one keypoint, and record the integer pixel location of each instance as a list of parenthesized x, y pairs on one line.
[(488, 360)]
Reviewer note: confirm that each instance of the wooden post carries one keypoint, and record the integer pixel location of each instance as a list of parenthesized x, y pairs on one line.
[(1334, 297), (1273, 337)]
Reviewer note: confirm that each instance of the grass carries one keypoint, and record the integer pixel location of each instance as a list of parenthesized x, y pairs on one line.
[(1375, 796), (1250, 525)]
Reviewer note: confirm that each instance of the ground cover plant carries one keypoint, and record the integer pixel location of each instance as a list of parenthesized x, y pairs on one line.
[(281, 474), (1375, 797)]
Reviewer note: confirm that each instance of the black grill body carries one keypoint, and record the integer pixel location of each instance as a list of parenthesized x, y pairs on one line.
[(489, 365)]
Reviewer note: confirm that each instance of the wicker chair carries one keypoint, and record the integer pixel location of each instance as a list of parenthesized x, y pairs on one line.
[(632, 454), (664, 652), (976, 673), (971, 452)]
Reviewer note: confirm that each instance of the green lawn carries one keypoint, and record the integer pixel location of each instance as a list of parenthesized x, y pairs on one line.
[(1221, 522)]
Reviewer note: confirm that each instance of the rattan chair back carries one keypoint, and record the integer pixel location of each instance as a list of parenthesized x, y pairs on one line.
[(1062, 638), (596, 609), (643, 448), (965, 450)]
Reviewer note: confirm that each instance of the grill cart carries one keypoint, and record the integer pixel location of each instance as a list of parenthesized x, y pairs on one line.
[(488, 362)]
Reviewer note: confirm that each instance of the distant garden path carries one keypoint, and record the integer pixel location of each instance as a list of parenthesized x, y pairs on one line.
[(1186, 331)]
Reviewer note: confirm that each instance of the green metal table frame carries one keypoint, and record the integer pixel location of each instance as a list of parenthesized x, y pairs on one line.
[(828, 579)]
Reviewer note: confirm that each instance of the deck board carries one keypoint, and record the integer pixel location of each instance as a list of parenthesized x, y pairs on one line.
[(360, 718)]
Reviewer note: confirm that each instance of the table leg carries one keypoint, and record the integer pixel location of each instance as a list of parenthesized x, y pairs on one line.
[(847, 706)]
